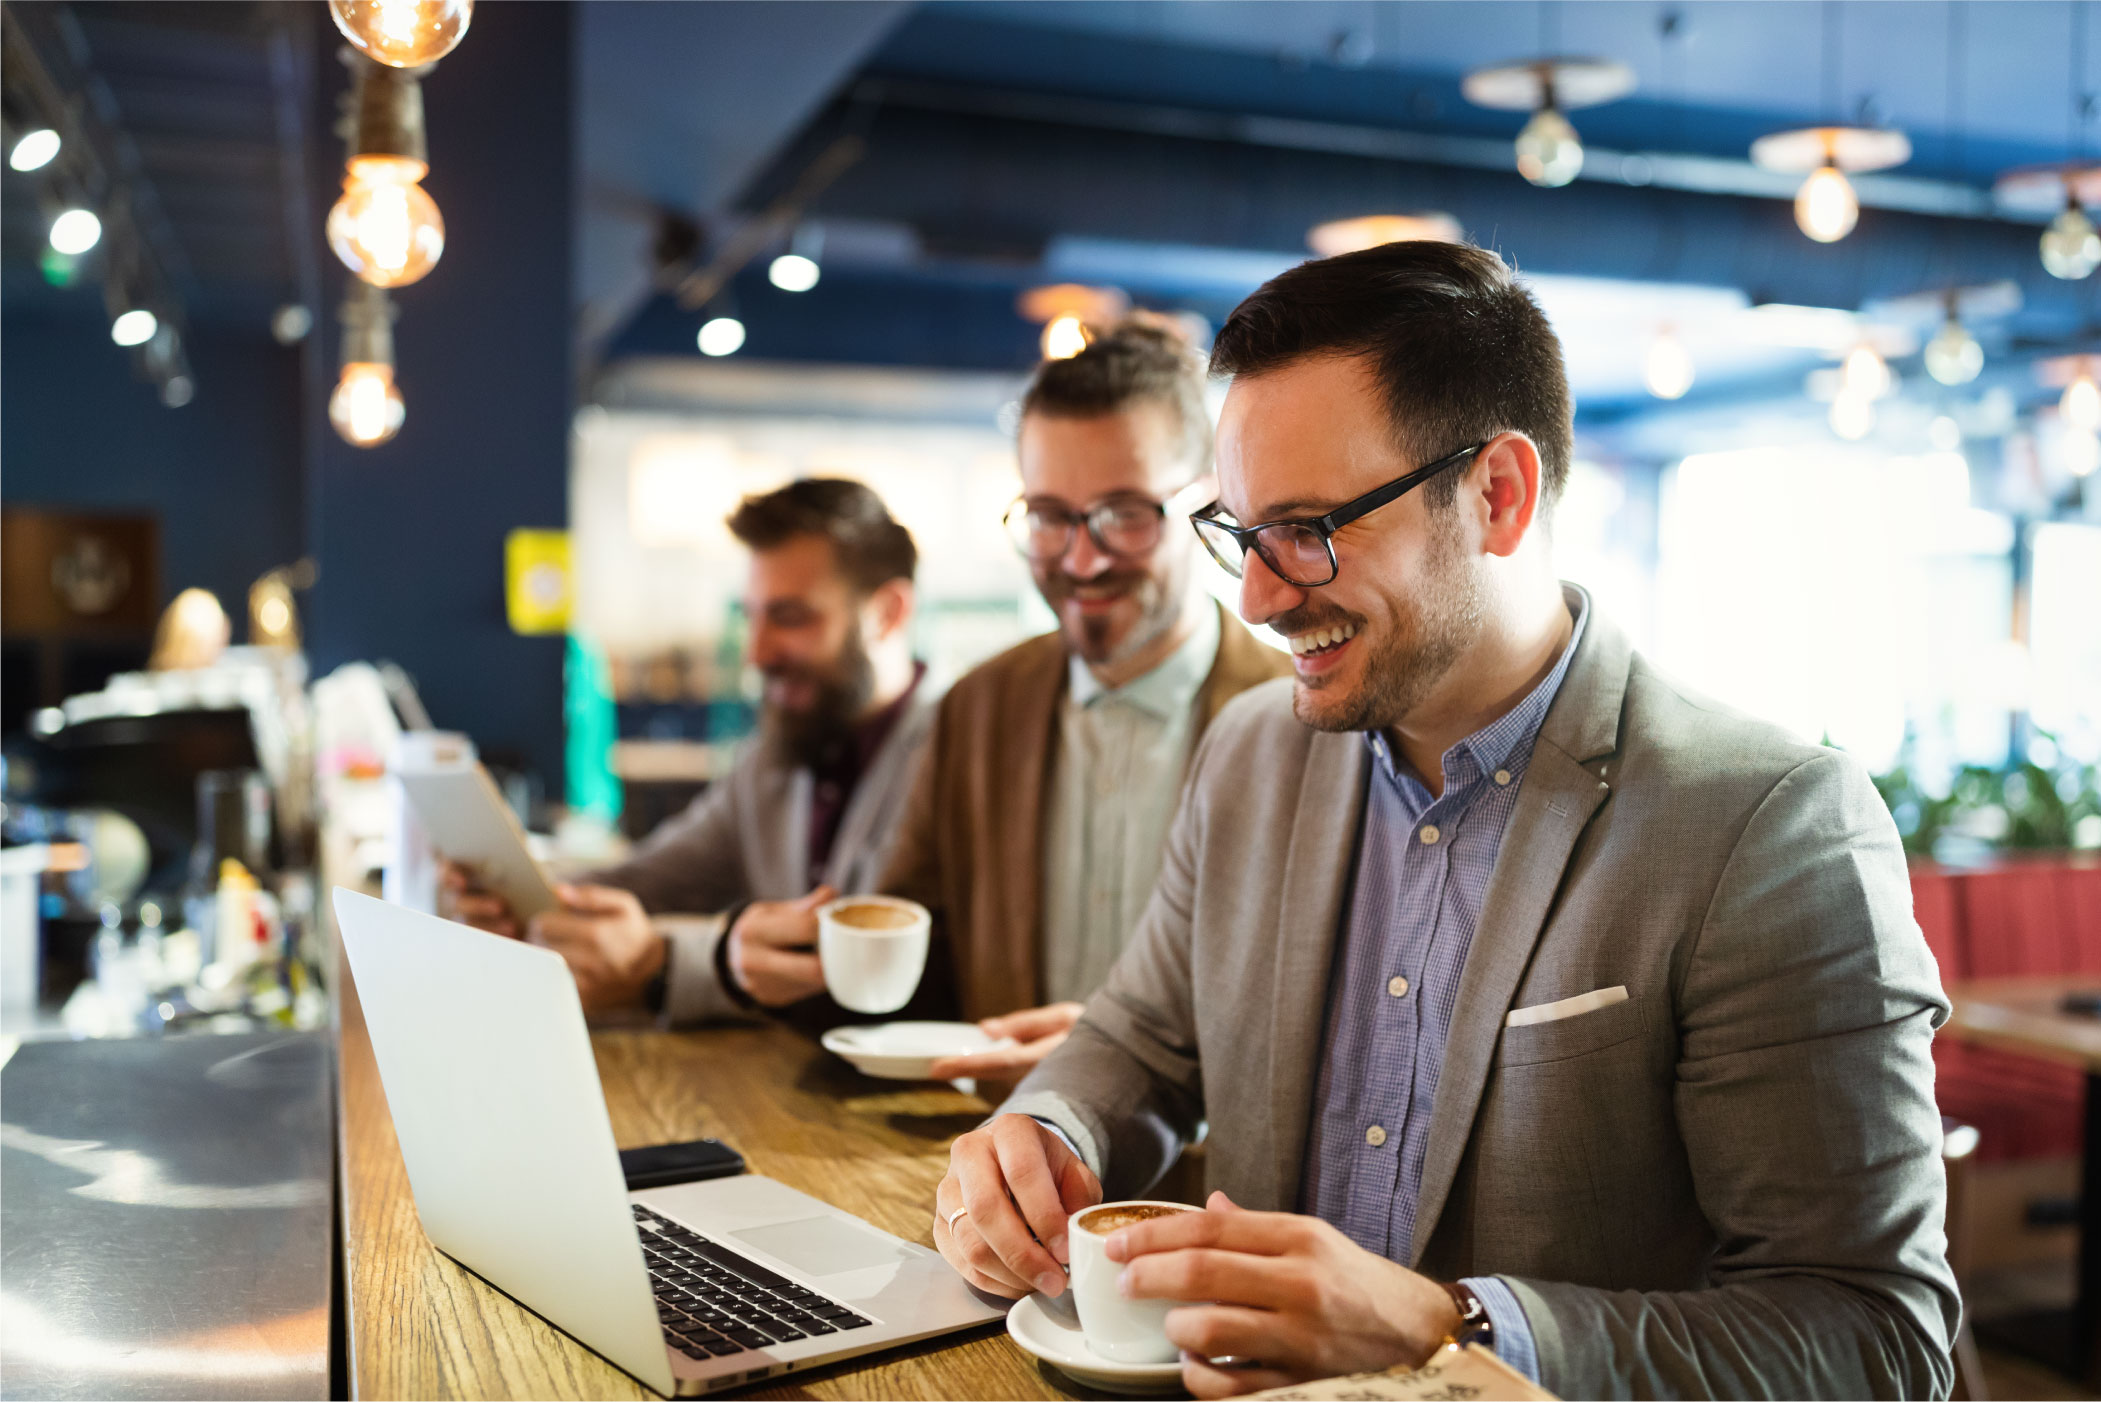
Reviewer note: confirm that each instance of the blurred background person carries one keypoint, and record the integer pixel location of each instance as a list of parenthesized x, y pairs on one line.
[(813, 803)]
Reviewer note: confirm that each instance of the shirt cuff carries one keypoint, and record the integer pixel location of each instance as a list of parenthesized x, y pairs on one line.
[(1513, 1331), (1050, 1108), (692, 990)]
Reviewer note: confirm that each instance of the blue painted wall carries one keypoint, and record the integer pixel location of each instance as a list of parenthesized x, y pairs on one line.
[(410, 534), (77, 432)]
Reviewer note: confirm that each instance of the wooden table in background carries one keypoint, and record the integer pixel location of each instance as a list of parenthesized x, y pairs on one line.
[(423, 1326), (2027, 1015)]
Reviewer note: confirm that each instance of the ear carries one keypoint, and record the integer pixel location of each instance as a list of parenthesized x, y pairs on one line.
[(888, 611), (1506, 487)]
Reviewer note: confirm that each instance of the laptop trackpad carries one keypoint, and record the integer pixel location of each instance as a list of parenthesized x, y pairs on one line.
[(825, 1245)]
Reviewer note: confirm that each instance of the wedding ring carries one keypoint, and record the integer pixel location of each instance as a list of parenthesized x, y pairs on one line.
[(954, 1215)]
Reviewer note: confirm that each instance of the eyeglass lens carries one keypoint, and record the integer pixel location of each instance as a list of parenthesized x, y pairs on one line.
[(1296, 553), (1122, 528)]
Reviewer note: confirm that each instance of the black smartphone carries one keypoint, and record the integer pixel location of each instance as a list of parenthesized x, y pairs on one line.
[(2082, 1004), (661, 1165)]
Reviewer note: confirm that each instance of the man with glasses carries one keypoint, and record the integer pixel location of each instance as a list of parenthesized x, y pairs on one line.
[(1531, 999)]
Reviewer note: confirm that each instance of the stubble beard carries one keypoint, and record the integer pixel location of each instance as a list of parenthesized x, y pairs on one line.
[(1421, 639), (1160, 596)]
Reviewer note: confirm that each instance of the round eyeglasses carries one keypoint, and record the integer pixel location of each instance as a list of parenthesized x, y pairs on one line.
[(1301, 550), (1125, 524)]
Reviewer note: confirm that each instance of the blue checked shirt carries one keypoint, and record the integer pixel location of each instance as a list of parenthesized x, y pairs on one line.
[(1423, 869)]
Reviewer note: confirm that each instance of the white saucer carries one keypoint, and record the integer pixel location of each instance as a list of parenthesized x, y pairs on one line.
[(906, 1051), (1049, 1329)]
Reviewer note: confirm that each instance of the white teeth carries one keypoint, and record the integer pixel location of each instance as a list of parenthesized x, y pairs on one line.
[(1320, 638)]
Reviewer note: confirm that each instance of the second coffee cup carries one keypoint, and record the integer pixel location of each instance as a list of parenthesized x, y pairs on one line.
[(873, 949), (1119, 1329)]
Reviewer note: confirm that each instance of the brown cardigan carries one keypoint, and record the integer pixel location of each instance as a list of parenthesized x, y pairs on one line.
[(970, 844)]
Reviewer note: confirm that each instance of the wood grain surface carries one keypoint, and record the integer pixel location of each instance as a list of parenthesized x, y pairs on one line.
[(422, 1326)]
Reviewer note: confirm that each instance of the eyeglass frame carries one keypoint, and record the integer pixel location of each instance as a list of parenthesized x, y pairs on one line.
[(1076, 518), (1324, 526)]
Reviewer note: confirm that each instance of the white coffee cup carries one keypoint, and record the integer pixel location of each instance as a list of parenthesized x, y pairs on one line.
[(873, 949), (1119, 1329)]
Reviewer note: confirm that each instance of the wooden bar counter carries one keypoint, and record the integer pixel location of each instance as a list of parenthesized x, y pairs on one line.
[(422, 1326)]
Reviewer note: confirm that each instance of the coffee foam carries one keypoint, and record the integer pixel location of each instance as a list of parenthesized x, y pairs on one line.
[(1116, 1216), (872, 915)]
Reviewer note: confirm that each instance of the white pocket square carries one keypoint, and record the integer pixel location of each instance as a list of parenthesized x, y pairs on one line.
[(1567, 1007)]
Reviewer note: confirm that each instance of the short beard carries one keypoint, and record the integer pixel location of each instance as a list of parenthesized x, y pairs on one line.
[(1160, 597), (1422, 638), (821, 737)]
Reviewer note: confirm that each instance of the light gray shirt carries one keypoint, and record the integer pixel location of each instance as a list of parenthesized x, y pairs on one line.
[(1122, 755)]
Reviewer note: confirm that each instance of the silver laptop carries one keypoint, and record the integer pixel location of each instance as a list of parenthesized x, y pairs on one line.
[(488, 1072)]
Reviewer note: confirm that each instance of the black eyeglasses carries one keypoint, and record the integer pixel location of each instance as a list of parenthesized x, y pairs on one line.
[(1301, 550), (1127, 524)]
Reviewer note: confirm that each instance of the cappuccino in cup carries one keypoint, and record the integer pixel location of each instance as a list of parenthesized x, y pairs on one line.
[(1122, 1330), (873, 949)]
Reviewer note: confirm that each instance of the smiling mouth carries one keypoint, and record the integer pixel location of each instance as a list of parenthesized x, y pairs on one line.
[(1321, 640)]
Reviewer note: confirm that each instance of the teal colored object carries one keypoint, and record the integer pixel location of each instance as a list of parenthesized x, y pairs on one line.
[(592, 727)]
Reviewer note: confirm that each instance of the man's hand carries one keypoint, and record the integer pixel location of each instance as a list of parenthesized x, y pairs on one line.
[(603, 935), (773, 949), (461, 898), (1020, 1182), (1035, 1032), (1288, 1291)]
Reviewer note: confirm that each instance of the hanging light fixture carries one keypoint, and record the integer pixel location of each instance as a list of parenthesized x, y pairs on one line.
[(134, 327), (34, 150), (2080, 404), (366, 407), (386, 228), (798, 270), (1339, 236), (1067, 310), (403, 33), (1826, 207), (1668, 367), (1549, 152), (2071, 248), (1852, 416), (75, 231), (1953, 356), (1063, 338), (721, 335)]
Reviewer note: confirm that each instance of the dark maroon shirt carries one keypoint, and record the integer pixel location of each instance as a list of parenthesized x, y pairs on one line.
[(833, 782)]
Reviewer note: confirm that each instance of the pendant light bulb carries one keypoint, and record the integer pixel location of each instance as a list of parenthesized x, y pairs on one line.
[(1953, 356), (403, 33), (1063, 338), (2071, 248), (386, 228), (134, 328), (792, 272), (35, 150), (1548, 151), (366, 407), (1864, 374), (1826, 208), (721, 335), (2081, 403), (76, 231), (1668, 367)]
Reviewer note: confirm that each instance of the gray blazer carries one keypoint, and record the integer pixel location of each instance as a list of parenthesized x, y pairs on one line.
[(1728, 1185), (747, 839)]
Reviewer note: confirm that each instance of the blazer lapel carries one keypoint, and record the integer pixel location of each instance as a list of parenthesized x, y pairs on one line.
[(1317, 867), (1023, 749), (1560, 794)]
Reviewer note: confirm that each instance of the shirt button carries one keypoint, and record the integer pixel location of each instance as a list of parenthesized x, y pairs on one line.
[(1375, 1136), (1397, 986), (1502, 776), (1429, 834)]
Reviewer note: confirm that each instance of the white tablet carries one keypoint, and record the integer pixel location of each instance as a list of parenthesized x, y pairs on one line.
[(469, 823)]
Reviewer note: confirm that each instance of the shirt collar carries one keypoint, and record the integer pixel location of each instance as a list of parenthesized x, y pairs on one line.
[(1512, 734), (1168, 689)]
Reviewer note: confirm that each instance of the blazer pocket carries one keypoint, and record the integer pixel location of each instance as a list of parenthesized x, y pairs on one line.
[(1559, 1039)]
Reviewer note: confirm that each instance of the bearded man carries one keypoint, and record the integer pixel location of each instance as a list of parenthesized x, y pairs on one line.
[(814, 803)]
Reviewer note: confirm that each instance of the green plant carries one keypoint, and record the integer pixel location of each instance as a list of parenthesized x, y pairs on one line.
[(2019, 807)]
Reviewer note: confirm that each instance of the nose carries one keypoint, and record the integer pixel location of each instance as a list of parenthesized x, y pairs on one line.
[(1083, 559), (763, 646), (1263, 595)]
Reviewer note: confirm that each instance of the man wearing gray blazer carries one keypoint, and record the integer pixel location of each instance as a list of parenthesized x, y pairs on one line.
[(697, 922), (1529, 997)]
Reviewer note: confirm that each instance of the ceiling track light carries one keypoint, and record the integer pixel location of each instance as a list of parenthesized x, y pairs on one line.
[(1548, 151), (366, 408), (386, 228), (403, 33), (1826, 207)]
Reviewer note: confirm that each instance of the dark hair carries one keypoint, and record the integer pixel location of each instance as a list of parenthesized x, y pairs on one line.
[(1461, 350), (1143, 359), (872, 549)]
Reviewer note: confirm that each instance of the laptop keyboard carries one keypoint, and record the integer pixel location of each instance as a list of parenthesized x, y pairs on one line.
[(713, 1301)]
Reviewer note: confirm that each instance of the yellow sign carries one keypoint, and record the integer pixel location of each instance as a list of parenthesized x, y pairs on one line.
[(537, 584)]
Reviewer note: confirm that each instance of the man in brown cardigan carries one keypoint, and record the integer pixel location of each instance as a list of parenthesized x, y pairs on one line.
[(1036, 824)]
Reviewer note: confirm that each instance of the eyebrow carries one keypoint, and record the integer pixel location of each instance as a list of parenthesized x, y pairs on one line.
[(1296, 507)]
